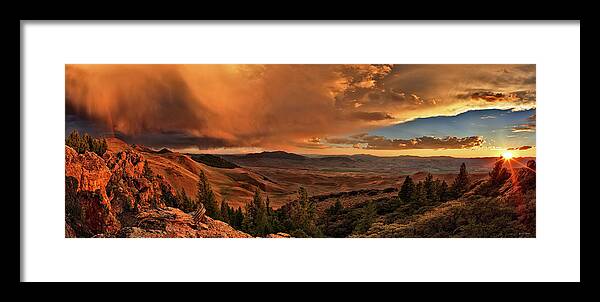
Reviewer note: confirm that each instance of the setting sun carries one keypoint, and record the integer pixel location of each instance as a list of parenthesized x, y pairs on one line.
[(507, 155)]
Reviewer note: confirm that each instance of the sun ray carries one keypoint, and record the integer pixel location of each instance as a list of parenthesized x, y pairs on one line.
[(507, 155), (522, 165)]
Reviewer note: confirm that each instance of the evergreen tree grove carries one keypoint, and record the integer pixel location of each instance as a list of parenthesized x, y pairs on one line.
[(85, 142), (207, 197), (257, 220), (303, 215), (225, 212)]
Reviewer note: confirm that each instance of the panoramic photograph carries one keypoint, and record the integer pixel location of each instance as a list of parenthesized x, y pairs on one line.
[(300, 151)]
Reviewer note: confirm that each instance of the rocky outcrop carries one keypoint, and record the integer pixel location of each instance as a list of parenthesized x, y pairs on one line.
[(88, 207), (279, 235), (89, 170), (133, 186), (173, 223), (118, 195)]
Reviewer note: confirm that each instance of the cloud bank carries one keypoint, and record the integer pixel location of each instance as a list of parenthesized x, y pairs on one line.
[(520, 148), (377, 142), (530, 126), (285, 106)]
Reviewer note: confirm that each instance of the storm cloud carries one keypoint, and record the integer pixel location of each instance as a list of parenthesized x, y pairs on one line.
[(285, 106)]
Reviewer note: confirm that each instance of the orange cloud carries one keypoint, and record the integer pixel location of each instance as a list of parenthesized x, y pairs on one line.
[(375, 142), (521, 148), (530, 126), (280, 106)]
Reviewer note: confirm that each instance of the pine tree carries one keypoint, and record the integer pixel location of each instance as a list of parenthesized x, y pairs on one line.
[(169, 199), (263, 225), (239, 218), (419, 197), (430, 188), (256, 219), (230, 215), (368, 216), (249, 217), (442, 192), (303, 215), (273, 221), (268, 206), (185, 203), (407, 190), (499, 173), (207, 197), (461, 182), (497, 177), (225, 212), (103, 147), (87, 142), (334, 209), (72, 140), (188, 204)]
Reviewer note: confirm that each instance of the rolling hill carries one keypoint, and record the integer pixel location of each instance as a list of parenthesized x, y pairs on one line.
[(237, 185)]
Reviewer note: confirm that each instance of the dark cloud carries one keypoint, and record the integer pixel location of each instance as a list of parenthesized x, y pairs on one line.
[(341, 141), (376, 142), (371, 116), (176, 140), (524, 128), (530, 126), (521, 148), (492, 97), (489, 96)]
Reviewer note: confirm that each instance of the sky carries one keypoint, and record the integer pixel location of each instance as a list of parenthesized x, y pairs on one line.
[(384, 109)]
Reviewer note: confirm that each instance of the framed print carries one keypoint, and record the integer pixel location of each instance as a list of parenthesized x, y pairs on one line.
[(300, 151)]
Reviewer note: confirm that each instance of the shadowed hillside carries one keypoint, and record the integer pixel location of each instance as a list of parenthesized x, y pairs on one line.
[(213, 161), (113, 189)]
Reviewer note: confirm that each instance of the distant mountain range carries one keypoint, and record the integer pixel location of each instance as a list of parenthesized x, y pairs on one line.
[(404, 164)]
